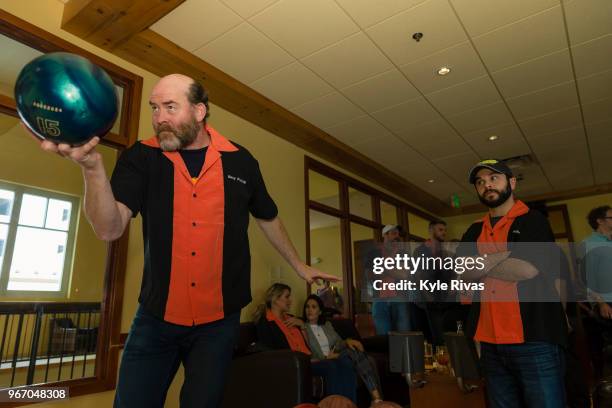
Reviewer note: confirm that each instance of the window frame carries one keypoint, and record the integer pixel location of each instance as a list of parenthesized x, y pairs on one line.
[(110, 338), (346, 218), (9, 248)]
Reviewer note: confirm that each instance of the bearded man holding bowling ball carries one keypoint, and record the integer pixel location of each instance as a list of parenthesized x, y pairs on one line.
[(194, 189)]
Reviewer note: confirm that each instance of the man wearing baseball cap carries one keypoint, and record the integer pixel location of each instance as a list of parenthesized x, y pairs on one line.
[(522, 342), (387, 314)]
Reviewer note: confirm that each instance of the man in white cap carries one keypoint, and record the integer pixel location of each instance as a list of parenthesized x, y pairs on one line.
[(390, 314)]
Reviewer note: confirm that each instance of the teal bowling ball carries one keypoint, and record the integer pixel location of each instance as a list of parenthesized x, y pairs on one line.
[(65, 98)]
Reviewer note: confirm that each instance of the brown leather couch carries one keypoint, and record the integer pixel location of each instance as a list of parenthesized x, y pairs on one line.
[(282, 379)]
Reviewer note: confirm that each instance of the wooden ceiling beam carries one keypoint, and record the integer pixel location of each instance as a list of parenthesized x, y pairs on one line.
[(108, 23)]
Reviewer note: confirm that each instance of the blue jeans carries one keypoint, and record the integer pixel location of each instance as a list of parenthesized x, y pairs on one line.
[(390, 316), (338, 376), (524, 375), (154, 350)]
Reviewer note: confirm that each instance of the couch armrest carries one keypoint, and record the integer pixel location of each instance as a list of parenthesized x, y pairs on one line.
[(274, 379)]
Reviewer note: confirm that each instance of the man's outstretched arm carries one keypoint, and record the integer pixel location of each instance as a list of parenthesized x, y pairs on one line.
[(275, 231), (107, 216)]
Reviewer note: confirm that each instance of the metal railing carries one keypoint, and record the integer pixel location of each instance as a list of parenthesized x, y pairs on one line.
[(43, 342)]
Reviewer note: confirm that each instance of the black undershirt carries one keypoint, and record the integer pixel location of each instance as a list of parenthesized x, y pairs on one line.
[(494, 220), (194, 160)]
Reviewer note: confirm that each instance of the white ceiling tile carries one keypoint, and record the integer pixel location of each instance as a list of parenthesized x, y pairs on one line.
[(387, 150), (461, 59), (434, 18), (418, 167), (530, 177), (603, 170), (551, 122), (368, 12), (357, 52), (407, 115), (510, 142), (597, 111), (524, 190), (358, 130), (573, 180), (239, 53), (481, 16), (328, 111), (434, 140), (600, 131), (247, 8), (561, 139), (522, 41), (534, 74), (546, 100), (464, 96), (419, 170), (594, 87), (381, 91), (593, 56), (553, 160), (303, 27), (588, 19), (602, 165), (601, 148), (442, 187), (564, 177), (457, 166), (530, 181), (183, 25), (481, 118), (306, 85)]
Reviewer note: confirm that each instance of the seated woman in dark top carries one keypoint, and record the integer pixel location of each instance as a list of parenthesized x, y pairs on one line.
[(277, 329), (325, 344)]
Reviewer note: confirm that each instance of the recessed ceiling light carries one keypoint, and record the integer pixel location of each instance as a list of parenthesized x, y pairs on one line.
[(443, 71), (431, 180), (493, 138)]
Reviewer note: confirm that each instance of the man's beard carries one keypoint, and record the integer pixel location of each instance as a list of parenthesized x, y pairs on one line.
[(171, 139), (502, 197)]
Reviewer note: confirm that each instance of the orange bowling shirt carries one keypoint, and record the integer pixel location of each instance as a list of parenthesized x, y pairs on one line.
[(196, 247), (513, 321)]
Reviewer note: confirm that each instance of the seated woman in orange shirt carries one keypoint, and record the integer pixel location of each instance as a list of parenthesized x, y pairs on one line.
[(277, 329)]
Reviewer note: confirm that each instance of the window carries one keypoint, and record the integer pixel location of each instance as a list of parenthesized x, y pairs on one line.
[(358, 213), (93, 270), (37, 235)]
